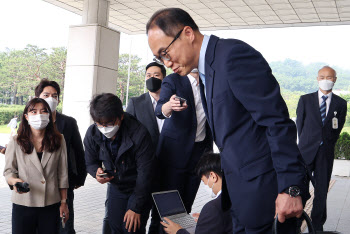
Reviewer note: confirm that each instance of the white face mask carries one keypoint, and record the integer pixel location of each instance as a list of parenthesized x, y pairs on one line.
[(39, 121), (209, 190), (52, 103), (326, 84), (109, 132)]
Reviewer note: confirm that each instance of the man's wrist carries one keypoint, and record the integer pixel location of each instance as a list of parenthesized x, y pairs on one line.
[(292, 191)]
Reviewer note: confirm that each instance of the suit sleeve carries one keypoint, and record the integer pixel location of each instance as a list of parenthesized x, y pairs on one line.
[(342, 118), (251, 81), (91, 154), (11, 167), (168, 89), (300, 116), (77, 145), (144, 155), (63, 166), (210, 220), (131, 108)]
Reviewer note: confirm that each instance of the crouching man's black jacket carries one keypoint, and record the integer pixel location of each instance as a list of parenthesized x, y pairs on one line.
[(132, 167)]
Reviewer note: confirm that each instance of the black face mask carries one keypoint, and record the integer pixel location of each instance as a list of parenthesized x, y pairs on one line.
[(153, 84)]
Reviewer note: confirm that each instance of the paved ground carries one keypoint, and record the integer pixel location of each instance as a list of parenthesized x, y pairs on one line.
[(89, 203)]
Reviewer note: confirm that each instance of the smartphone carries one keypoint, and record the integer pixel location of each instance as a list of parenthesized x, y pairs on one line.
[(182, 100), (62, 220), (103, 175)]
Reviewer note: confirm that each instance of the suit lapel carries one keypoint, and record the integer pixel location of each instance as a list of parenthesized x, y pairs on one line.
[(150, 111), (46, 157), (316, 106), (35, 160), (209, 77)]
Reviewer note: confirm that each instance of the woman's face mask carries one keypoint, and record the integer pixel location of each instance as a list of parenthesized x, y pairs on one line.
[(38, 121)]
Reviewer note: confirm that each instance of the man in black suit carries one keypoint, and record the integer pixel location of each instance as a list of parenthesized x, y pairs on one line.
[(142, 108), (185, 135), (212, 219), (320, 119), (66, 125)]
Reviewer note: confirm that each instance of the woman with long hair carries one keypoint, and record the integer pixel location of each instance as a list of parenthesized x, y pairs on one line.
[(36, 169)]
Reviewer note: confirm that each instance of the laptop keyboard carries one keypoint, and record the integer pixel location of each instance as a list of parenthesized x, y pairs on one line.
[(185, 221)]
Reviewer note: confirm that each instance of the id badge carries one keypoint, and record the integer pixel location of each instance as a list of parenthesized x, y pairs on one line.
[(335, 121)]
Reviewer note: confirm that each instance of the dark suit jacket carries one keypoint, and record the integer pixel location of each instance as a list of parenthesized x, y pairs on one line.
[(213, 219), (251, 126), (178, 135), (310, 129), (142, 108), (76, 161)]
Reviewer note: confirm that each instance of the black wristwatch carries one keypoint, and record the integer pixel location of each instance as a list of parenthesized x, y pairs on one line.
[(293, 191)]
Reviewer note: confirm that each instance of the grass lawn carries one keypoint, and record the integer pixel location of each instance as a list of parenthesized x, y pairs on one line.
[(5, 129), (346, 129)]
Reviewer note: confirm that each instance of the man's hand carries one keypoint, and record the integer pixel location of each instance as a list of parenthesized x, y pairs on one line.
[(100, 179), (131, 220), (195, 216), (3, 151), (288, 207), (64, 210), (170, 227), (173, 105)]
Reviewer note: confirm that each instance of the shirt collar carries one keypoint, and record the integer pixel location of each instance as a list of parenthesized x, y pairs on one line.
[(152, 99), (320, 94), (192, 79), (201, 62)]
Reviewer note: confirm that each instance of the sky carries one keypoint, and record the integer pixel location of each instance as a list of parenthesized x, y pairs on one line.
[(39, 23)]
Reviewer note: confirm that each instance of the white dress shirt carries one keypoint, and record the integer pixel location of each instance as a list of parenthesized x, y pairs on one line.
[(200, 134), (160, 122), (328, 100)]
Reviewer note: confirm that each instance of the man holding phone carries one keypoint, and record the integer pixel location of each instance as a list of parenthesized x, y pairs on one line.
[(185, 135), (118, 149)]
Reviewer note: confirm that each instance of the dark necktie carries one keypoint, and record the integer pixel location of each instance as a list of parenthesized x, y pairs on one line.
[(323, 108)]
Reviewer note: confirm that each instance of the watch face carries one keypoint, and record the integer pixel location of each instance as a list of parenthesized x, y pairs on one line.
[(294, 191)]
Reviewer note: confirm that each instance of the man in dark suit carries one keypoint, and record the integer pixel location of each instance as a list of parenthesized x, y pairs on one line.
[(248, 117), (320, 119), (212, 219), (66, 125), (185, 135), (143, 108)]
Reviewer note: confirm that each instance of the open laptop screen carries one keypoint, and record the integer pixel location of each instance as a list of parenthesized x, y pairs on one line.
[(169, 203)]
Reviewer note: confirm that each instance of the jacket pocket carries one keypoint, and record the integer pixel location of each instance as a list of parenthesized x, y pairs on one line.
[(256, 168)]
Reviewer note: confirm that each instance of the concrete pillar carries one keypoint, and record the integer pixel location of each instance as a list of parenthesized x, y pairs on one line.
[(92, 62)]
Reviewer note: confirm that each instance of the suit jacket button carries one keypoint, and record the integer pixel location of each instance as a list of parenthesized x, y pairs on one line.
[(43, 181)]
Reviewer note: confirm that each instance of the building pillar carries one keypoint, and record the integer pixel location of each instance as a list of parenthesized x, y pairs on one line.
[(92, 62)]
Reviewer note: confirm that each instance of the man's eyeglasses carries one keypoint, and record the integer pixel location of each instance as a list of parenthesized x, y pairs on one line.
[(164, 56)]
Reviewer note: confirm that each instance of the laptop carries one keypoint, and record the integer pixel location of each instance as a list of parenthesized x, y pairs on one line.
[(169, 204)]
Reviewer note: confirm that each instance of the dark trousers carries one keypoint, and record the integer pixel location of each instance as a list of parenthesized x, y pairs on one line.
[(35, 220), (69, 226), (117, 204), (321, 167), (185, 180)]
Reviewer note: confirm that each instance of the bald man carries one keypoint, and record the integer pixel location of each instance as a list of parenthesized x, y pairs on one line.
[(320, 119)]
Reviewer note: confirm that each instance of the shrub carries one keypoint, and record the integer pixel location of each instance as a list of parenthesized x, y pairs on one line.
[(7, 112), (342, 147)]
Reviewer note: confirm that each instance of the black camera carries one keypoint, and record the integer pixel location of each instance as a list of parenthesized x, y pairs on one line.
[(22, 187)]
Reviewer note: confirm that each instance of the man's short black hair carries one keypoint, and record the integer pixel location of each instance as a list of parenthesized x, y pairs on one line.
[(43, 84), (207, 163), (106, 107), (154, 64), (171, 21)]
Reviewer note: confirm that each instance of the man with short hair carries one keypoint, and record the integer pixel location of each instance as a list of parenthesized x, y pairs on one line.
[(50, 91), (143, 108), (118, 149), (248, 118), (320, 119)]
